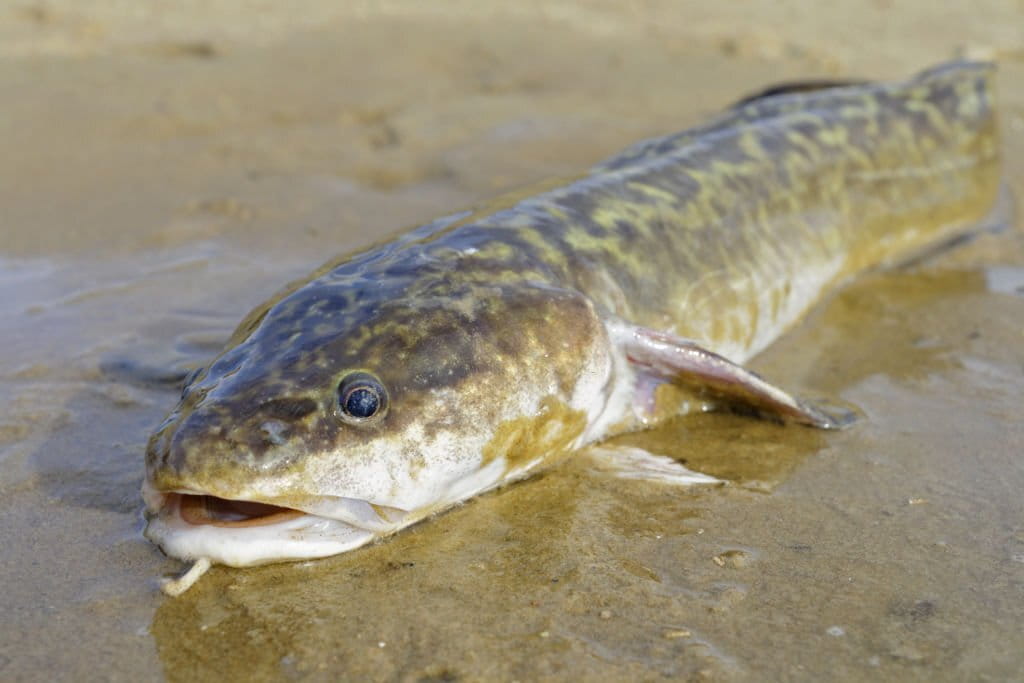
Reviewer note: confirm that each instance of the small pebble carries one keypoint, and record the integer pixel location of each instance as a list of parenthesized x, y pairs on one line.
[(736, 559), (836, 631), (606, 614)]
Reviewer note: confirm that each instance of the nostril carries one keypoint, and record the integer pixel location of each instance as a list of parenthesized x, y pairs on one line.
[(273, 431)]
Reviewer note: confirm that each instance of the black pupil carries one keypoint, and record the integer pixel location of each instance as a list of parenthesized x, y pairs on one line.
[(361, 402)]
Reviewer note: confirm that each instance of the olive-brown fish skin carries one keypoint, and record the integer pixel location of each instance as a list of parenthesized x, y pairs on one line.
[(725, 234)]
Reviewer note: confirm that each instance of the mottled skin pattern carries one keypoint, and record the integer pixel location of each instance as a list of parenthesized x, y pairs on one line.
[(489, 328)]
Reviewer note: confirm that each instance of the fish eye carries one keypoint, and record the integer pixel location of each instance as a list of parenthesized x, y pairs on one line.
[(361, 396)]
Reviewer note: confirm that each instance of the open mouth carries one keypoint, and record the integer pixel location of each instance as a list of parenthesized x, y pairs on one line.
[(205, 529), (192, 526), (204, 509)]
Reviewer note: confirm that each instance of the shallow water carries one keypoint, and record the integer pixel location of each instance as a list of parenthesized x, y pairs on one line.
[(161, 178)]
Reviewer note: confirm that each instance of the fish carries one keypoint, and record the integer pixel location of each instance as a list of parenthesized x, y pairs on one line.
[(469, 352)]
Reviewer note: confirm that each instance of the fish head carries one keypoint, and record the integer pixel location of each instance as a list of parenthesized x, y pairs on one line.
[(330, 420)]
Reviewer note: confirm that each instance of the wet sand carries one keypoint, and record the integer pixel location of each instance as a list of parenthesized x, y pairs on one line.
[(162, 173)]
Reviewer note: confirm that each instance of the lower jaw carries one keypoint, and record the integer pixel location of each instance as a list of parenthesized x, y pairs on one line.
[(291, 535)]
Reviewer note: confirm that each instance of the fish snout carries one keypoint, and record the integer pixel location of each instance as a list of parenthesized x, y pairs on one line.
[(200, 451)]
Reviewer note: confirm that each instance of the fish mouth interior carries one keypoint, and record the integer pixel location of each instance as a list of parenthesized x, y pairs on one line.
[(200, 509)]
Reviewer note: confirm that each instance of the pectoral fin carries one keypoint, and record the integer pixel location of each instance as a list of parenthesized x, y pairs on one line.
[(683, 362)]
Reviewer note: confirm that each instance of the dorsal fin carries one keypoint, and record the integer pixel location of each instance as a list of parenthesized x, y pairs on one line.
[(794, 87), (762, 106)]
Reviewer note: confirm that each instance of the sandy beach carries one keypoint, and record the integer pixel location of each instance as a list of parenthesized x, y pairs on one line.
[(166, 170)]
